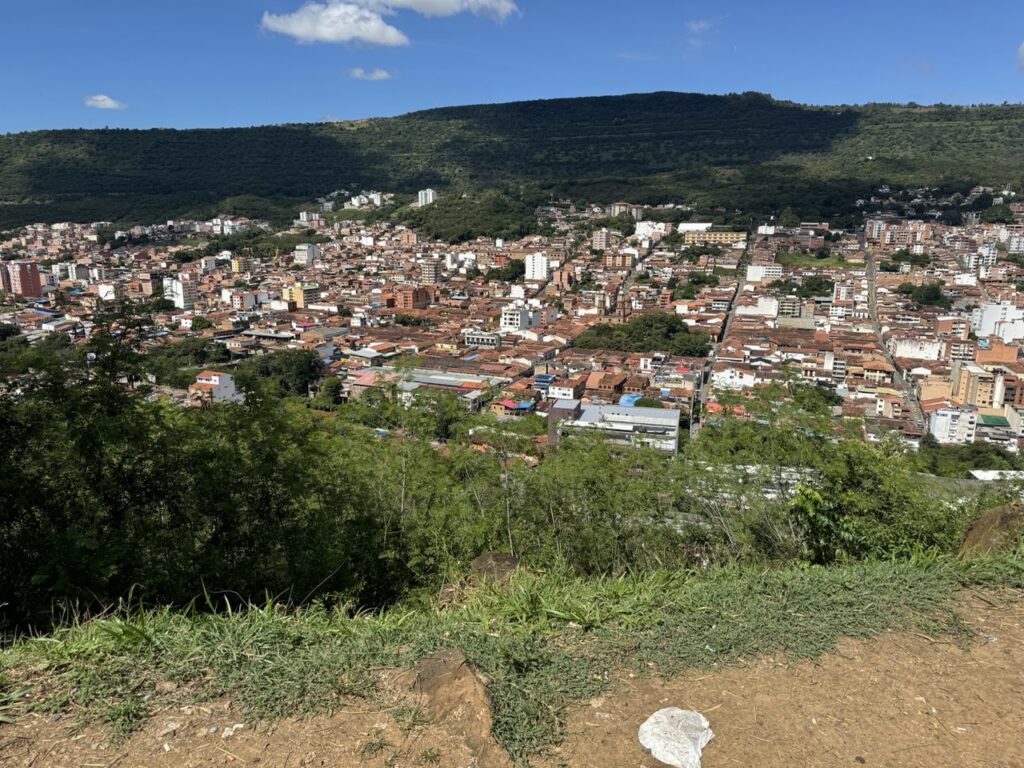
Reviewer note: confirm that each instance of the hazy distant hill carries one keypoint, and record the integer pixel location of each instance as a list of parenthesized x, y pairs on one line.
[(740, 151)]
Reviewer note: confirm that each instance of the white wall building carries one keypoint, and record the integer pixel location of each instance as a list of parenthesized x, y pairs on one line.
[(1003, 319), (766, 306), (953, 425), (307, 254), (537, 267), (180, 291), (426, 197), (764, 273), (522, 315)]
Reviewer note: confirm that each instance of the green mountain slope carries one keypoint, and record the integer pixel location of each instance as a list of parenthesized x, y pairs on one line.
[(743, 151)]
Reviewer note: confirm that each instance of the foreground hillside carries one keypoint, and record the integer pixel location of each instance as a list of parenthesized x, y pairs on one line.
[(794, 667), (740, 151)]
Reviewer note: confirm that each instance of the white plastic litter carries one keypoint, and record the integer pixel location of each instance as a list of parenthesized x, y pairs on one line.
[(676, 736)]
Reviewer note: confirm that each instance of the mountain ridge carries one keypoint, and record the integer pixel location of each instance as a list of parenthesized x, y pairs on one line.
[(744, 151)]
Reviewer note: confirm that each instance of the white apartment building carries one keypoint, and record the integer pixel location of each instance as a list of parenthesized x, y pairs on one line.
[(180, 291), (307, 254), (1003, 319), (522, 315), (426, 197), (537, 267), (953, 425)]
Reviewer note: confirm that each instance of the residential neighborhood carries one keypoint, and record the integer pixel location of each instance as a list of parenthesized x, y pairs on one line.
[(913, 326)]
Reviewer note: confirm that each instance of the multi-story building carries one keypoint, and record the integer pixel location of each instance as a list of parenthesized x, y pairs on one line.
[(618, 260), (953, 425), (537, 267), (426, 197), (22, 279), (307, 254), (713, 238), (180, 291), (764, 273), (302, 294), (617, 424), (430, 272), (411, 297), (474, 337), (636, 211), (977, 386), (521, 316)]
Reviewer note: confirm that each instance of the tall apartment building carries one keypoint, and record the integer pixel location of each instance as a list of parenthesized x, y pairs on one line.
[(427, 197), (21, 278), (410, 297), (537, 267), (618, 261), (430, 272), (303, 294), (307, 254), (181, 291), (617, 209), (601, 240), (974, 385)]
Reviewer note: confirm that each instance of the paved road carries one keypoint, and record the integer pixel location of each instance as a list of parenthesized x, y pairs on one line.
[(916, 414), (704, 391)]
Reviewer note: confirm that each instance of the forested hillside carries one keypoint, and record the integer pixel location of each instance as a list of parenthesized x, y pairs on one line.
[(743, 151)]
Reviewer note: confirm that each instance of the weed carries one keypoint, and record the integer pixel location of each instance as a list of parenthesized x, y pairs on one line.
[(376, 744), (430, 757)]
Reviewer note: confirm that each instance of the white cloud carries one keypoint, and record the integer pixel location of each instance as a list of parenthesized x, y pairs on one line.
[(699, 26), (335, 22), (102, 101), (373, 74), (1020, 57), (343, 21)]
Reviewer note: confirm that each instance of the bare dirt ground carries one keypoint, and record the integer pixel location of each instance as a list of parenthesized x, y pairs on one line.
[(901, 700), (904, 700)]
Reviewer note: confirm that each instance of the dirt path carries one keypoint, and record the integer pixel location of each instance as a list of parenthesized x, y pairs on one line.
[(901, 700)]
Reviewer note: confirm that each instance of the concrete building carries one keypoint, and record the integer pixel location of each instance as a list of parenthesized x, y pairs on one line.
[(953, 425), (764, 273), (180, 291), (302, 294), (977, 386), (430, 272), (22, 279), (307, 254), (411, 297), (522, 315), (537, 267), (426, 197), (994, 319), (617, 424)]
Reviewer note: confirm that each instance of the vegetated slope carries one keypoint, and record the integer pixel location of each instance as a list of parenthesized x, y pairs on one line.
[(743, 151)]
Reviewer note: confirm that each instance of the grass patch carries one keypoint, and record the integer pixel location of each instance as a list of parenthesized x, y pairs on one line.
[(545, 642), (795, 259)]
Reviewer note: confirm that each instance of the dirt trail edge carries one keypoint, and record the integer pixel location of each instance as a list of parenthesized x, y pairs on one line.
[(905, 700)]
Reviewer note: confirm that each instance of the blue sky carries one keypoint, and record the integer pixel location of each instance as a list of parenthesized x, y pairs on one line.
[(190, 63)]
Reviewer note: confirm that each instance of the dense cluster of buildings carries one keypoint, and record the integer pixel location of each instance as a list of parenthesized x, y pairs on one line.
[(914, 324)]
